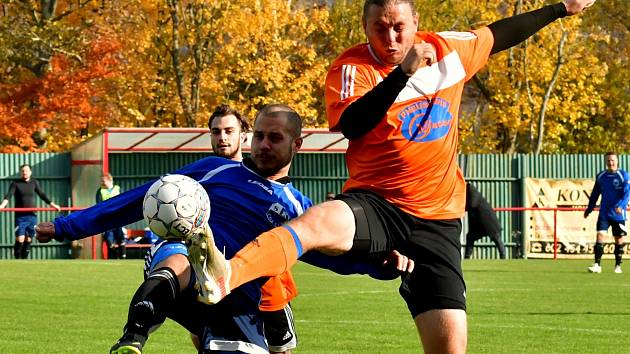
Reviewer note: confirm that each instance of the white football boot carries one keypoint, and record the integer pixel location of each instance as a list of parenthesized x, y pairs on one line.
[(212, 270), (595, 268)]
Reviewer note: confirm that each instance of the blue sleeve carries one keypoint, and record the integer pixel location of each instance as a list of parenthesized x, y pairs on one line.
[(345, 266), (122, 209), (592, 200), (623, 203), (118, 211)]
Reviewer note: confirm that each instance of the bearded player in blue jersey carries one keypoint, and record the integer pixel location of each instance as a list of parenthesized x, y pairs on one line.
[(613, 184), (246, 198)]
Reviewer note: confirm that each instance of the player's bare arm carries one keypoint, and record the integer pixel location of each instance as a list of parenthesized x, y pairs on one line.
[(574, 7)]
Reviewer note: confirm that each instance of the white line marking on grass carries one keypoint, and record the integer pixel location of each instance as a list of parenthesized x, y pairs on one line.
[(472, 290), (550, 328), (345, 293), (348, 321)]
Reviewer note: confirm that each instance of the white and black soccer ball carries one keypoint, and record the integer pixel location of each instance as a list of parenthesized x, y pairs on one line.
[(176, 206)]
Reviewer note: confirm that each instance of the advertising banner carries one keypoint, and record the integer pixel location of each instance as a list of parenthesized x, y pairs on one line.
[(575, 234)]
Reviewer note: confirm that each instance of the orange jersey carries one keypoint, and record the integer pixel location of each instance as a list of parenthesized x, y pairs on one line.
[(410, 157), (277, 292)]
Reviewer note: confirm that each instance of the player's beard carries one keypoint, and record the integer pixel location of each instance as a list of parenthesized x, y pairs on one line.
[(269, 164)]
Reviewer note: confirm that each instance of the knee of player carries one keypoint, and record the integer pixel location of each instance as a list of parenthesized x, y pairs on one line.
[(327, 226)]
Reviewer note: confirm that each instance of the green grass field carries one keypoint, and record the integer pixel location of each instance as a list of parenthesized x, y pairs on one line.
[(514, 306)]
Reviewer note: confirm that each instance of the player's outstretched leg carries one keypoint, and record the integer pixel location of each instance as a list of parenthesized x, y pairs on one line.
[(212, 270)]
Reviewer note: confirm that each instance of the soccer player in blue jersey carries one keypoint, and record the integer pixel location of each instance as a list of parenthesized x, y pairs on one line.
[(228, 133), (245, 198), (613, 184)]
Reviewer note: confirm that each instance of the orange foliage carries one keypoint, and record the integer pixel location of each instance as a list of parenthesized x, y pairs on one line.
[(66, 99)]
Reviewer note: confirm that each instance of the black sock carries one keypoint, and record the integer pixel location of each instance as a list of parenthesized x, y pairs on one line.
[(599, 250), (26, 249), (17, 249), (151, 301), (122, 251), (618, 254)]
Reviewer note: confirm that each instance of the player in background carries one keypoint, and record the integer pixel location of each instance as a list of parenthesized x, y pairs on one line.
[(482, 221), (228, 132), (245, 198), (24, 191), (114, 238), (613, 184), (396, 98)]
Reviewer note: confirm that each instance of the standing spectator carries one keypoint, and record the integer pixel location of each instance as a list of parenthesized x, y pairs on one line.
[(482, 221), (114, 238), (613, 184), (24, 190)]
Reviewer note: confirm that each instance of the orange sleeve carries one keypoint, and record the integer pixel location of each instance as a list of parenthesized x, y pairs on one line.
[(277, 292), (345, 83), (473, 48)]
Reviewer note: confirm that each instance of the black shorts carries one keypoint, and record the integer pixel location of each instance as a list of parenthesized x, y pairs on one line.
[(437, 281), (280, 329)]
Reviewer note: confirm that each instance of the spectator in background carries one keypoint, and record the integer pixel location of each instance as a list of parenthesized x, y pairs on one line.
[(114, 238), (24, 190), (330, 196), (614, 186), (482, 221)]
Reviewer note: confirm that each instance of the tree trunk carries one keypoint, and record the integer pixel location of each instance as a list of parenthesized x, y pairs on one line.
[(552, 83)]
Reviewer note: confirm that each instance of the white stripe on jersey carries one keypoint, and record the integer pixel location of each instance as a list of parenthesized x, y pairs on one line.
[(623, 180), (232, 346), (430, 79), (212, 173), (462, 36), (348, 73), (293, 200)]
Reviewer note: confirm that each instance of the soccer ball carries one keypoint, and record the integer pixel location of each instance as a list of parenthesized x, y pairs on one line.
[(176, 206)]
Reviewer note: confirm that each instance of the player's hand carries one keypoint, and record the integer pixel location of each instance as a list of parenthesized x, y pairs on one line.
[(576, 6), (399, 261), (618, 210), (45, 231), (420, 55)]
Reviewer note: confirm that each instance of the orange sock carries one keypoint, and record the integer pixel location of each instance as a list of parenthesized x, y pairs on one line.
[(270, 254)]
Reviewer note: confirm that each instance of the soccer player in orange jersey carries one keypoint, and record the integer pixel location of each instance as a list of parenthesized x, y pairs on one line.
[(396, 99)]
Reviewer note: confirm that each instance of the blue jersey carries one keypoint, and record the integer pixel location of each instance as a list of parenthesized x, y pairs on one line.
[(243, 205), (614, 187)]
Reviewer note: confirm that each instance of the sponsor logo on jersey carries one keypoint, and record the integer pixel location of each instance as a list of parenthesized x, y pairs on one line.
[(277, 215), (426, 121), (261, 185)]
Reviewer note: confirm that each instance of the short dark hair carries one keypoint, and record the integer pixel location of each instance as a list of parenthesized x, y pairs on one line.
[(383, 3), (279, 110), (609, 153), (26, 165), (225, 110)]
